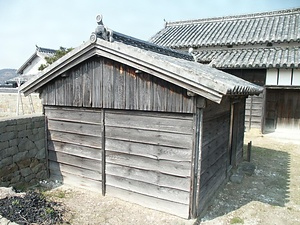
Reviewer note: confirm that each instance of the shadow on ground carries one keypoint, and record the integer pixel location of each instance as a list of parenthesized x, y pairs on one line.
[(269, 184)]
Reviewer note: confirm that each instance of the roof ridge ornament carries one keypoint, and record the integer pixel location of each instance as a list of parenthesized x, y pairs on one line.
[(101, 31)]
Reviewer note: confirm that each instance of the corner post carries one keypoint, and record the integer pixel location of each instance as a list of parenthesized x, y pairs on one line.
[(196, 157)]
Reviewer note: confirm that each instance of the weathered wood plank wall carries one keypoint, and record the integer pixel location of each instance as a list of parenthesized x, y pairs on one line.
[(74, 146), (103, 83), (148, 158), (214, 155), (282, 109), (254, 112)]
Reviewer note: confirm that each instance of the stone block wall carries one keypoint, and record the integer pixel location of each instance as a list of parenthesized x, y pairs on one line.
[(22, 151)]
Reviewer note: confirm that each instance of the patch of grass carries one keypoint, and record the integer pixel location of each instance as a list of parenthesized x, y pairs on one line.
[(56, 194), (236, 220)]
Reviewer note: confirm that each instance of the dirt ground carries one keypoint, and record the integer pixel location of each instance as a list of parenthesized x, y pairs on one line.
[(270, 196)]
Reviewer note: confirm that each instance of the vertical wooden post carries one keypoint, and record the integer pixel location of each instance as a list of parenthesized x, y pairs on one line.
[(250, 112), (103, 154), (196, 158), (46, 144), (249, 151)]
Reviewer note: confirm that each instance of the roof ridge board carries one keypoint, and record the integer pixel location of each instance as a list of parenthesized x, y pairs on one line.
[(234, 17), (150, 46)]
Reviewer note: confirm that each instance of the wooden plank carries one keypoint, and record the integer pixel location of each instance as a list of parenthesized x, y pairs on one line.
[(209, 190), (148, 150), (150, 137), (51, 93), (76, 150), (77, 86), (87, 82), (148, 176), (119, 86), (61, 168), (159, 95), (143, 121), (108, 95), (131, 97), (178, 209), (97, 89), (74, 114), (78, 139), (69, 89), (145, 92), (170, 194), (86, 163), (77, 181), (75, 127), (181, 169)]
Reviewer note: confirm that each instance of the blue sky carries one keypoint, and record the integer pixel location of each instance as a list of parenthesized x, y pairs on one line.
[(55, 23)]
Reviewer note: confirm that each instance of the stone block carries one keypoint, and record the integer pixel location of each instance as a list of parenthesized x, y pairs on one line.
[(4, 144), (3, 124), (35, 131), (41, 154), (39, 124), (34, 162), (29, 145), (5, 162), (247, 168), (21, 127), (16, 179), (23, 133), (29, 126), (24, 163), (25, 172), (29, 178), (20, 156), (9, 169), (236, 178), (32, 153), (40, 144), (8, 136), (13, 142), (38, 168), (42, 175), (10, 128), (23, 120)]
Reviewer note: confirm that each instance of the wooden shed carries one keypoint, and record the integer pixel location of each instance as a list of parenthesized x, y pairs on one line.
[(143, 123)]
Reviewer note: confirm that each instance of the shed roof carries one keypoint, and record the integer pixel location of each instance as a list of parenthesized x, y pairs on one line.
[(201, 79), (268, 27), (275, 57)]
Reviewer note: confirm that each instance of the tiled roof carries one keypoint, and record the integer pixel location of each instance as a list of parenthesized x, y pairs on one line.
[(39, 52), (46, 50), (278, 26), (200, 79), (251, 58)]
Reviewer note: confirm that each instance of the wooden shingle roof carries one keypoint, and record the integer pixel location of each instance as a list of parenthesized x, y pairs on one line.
[(269, 27), (277, 57)]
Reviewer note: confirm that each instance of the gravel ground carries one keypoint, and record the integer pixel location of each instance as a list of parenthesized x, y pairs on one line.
[(270, 196)]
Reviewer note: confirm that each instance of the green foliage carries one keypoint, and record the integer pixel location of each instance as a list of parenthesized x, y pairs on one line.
[(51, 59), (236, 220)]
